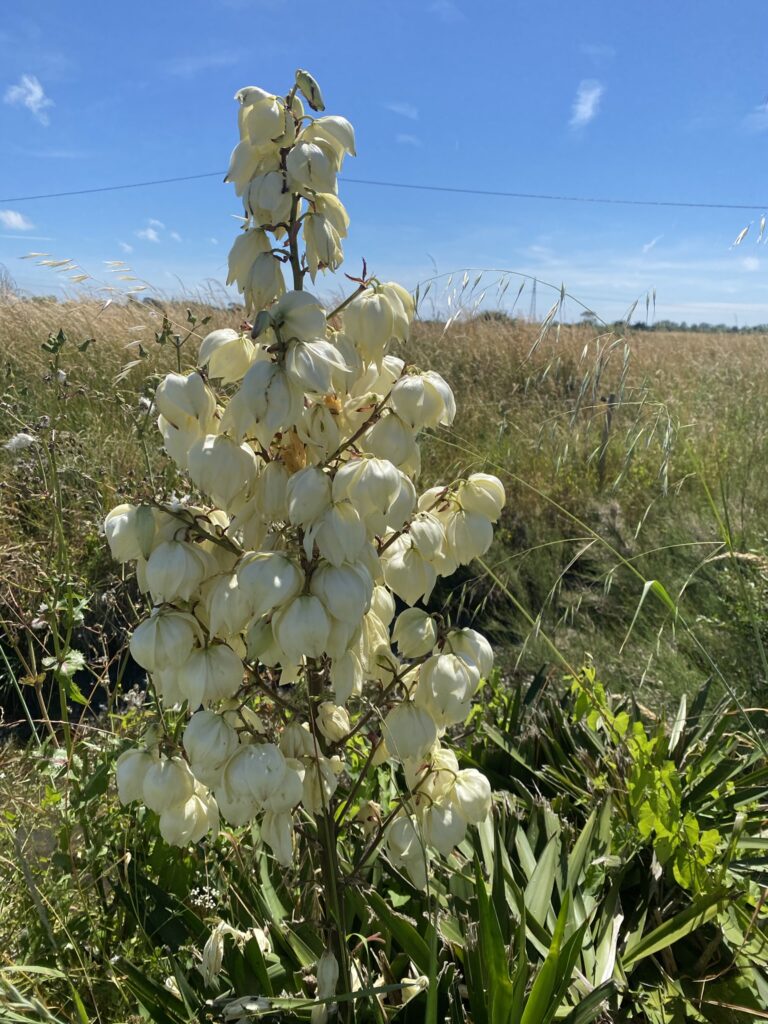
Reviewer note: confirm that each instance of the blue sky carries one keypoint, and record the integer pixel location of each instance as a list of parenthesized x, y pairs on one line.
[(639, 100)]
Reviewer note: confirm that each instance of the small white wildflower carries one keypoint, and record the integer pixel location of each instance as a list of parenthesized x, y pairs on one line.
[(61, 376), (19, 442)]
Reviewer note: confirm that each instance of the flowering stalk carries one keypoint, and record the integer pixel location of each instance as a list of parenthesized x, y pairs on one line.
[(300, 443)]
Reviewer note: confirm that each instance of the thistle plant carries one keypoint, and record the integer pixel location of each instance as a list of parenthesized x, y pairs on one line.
[(285, 676)]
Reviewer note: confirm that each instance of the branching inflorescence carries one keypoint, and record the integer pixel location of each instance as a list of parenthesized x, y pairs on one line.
[(273, 633)]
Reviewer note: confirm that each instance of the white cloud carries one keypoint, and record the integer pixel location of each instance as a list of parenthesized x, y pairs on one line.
[(756, 121), (175, 236), (29, 93), (156, 223), (125, 247), (750, 263), (652, 244), (447, 11), (404, 110), (404, 139), (587, 102), (213, 241), (148, 235), (12, 220)]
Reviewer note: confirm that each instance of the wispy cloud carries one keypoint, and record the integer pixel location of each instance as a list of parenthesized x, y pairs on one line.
[(175, 236), (156, 223), (587, 102), (757, 120), (750, 263), (446, 11), (652, 244), (30, 94), (192, 64), (404, 110), (403, 139), (125, 247), (148, 235), (30, 238), (12, 220)]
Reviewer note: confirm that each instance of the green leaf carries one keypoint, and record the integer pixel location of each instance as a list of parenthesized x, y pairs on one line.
[(498, 985), (539, 1006), (402, 931), (538, 892), (701, 910)]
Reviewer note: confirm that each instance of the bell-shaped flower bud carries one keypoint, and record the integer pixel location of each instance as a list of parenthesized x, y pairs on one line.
[(310, 365), (346, 677), (175, 570), (390, 438), (166, 638), (468, 535), (339, 534), (444, 828), (245, 161), (320, 783), (247, 246), (311, 166), (185, 401), (336, 131), (398, 512), (415, 633), (309, 495), (383, 604), (322, 244), (130, 771), (309, 89), (423, 400), (483, 494), (261, 644), (298, 316), (263, 115), (446, 687), (267, 200), (186, 823), (266, 402), (331, 208), (270, 493), (345, 590), (371, 484), (332, 721), (130, 532), (178, 440), (209, 674), (301, 628), (408, 731), (471, 795), (276, 831), (254, 771), (327, 975), (221, 468), (471, 647), (427, 535), (264, 283), (319, 430), (227, 606), (209, 741), (287, 792), (296, 741), (393, 289), (370, 322), (227, 354), (405, 848), (168, 781), (406, 572)]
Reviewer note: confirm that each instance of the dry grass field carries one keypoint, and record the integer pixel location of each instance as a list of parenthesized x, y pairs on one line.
[(628, 456)]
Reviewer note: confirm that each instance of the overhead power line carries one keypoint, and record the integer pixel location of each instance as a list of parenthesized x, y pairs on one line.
[(547, 197)]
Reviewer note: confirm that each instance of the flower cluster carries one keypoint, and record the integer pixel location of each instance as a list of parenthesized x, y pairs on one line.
[(276, 590)]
